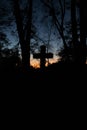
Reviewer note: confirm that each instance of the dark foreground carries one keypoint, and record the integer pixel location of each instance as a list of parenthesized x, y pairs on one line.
[(59, 95), (52, 76), (56, 79)]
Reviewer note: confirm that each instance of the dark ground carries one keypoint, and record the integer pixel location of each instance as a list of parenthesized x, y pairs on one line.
[(55, 78), (58, 94)]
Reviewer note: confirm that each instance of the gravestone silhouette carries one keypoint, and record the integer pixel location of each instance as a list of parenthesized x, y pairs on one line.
[(42, 56)]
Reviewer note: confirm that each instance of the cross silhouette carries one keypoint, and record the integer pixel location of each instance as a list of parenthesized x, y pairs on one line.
[(42, 56)]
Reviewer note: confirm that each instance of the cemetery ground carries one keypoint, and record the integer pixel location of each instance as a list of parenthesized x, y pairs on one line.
[(59, 81), (58, 90), (55, 75)]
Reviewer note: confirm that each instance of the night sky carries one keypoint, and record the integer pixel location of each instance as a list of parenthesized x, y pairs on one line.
[(41, 22), (60, 93)]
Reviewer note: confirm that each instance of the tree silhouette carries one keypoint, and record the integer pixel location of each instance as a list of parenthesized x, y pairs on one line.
[(24, 32), (9, 60), (83, 31), (74, 30), (79, 46), (76, 46), (59, 23)]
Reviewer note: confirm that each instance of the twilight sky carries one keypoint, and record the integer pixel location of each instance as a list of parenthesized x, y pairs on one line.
[(45, 29)]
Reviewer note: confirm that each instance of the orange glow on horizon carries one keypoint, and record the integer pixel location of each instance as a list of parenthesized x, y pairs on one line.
[(36, 63)]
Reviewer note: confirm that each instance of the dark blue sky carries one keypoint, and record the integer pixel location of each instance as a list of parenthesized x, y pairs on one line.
[(41, 22)]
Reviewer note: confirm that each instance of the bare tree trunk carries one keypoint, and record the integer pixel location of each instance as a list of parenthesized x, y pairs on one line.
[(20, 30), (24, 40), (83, 31), (74, 31), (28, 34)]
